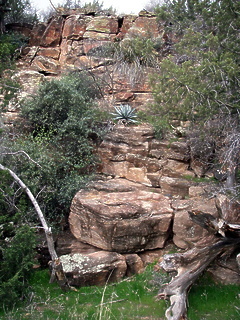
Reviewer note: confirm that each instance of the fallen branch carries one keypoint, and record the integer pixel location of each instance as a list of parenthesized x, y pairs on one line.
[(190, 265)]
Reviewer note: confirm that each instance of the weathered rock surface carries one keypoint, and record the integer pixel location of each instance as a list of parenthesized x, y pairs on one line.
[(122, 216), (229, 209), (149, 199), (186, 233), (135, 264), (93, 269), (66, 243), (131, 152), (74, 40), (226, 271)]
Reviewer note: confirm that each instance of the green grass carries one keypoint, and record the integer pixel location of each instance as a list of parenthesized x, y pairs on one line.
[(208, 301), (199, 179), (131, 299)]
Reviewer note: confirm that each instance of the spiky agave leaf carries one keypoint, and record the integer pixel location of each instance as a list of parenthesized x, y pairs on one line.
[(124, 112)]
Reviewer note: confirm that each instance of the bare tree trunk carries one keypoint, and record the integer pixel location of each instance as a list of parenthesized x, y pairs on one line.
[(56, 266), (191, 264)]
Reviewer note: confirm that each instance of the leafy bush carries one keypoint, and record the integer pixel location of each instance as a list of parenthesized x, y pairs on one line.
[(138, 50), (201, 79), (17, 243), (60, 126), (9, 43), (15, 265)]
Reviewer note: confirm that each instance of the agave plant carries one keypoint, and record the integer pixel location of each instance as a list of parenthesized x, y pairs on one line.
[(124, 113)]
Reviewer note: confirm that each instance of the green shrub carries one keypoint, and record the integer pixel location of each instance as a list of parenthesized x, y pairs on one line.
[(60, 126), (9, 43), (16, 261), (138, 50)]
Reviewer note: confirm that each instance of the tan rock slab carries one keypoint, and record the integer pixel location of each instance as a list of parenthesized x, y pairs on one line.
[(122, 216)]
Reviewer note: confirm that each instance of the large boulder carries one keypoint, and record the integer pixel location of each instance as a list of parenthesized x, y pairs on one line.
[(95, 268), (122, 216), (186, 233)]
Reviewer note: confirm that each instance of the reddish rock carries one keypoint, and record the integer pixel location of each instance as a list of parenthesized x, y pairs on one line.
[(118, 215), (29, 81), (149, 257), (66, 243), (125, 96), (46, 65), (95, 268), (197, 191), (75, 27), (175, 186), (53, 53), (131, 152), (103, 24), (176, 169), (144, 27), (37, 33), (229, 208), (199, 167), (53, 33), (85, 62), (177, 150), (225, 271), (126, 25), (93, 47), (71, 50)]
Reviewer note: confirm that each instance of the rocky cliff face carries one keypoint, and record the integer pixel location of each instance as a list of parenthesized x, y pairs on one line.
[(76, 41), (141, 202)]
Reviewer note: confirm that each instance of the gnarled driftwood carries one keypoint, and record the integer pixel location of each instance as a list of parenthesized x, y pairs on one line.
[(191, 264)]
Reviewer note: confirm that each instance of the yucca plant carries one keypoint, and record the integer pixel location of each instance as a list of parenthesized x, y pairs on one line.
[(124, 113)]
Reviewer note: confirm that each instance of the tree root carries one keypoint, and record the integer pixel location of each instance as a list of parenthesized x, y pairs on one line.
[(191, 264)]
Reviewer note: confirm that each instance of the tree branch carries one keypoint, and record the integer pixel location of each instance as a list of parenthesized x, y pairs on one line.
[(57, 270)]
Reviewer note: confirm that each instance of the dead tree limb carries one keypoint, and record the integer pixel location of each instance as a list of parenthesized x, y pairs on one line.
[(56, 266), (191, 264)]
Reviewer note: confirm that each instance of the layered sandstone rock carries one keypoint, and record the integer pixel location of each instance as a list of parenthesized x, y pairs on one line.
[(121, 216), (132, 153), (75, 41)]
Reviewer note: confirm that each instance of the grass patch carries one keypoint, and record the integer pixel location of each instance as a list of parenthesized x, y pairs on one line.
[(199, 179), (131, 299), (208, 301)]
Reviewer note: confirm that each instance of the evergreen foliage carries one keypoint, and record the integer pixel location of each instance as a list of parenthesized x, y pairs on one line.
[(200, 79), (21, 12), (17, 243), (59, 129)]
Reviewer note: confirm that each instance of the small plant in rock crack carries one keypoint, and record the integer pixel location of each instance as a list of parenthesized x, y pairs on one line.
[(124, 114)]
